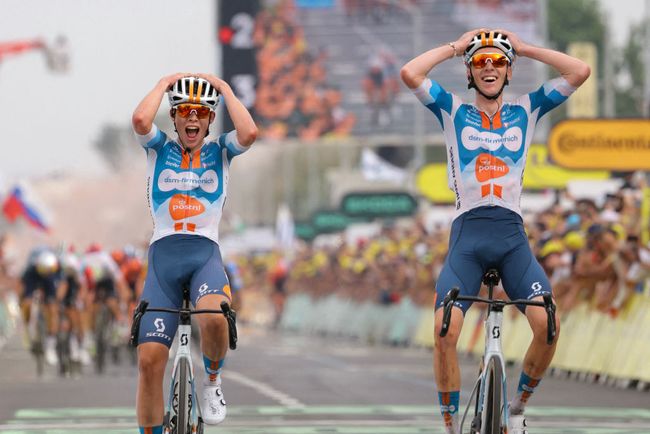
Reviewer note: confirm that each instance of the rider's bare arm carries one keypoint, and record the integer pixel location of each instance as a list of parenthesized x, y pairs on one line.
[(241, 118), (574, 70), (416, 70), (145, 112)]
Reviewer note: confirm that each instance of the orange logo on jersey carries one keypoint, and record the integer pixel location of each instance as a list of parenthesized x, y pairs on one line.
[(490, 167), (182, 206), (226, 290)]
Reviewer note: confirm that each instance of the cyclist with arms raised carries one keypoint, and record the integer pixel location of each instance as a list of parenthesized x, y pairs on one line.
[(187, 182), (487, 144)]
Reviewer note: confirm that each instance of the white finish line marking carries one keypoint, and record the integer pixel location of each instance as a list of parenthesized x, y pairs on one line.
[(264, 389)]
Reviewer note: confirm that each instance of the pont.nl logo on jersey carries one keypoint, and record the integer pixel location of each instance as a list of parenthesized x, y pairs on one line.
[(182, 206), (489, 167)]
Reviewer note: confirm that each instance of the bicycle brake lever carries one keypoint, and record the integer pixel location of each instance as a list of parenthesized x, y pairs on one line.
[(448, 302), (551, 326), (231, 319), (135, 325)]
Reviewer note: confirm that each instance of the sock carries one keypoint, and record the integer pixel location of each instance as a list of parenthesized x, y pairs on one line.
[(526, 388), (449, 410), (151, 429), (212, 368)]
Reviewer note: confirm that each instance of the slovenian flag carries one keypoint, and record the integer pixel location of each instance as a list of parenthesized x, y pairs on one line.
[(15, 205)]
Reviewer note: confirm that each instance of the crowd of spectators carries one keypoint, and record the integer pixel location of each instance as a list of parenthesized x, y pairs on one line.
[(592, 253), (293, 96), (381, 86), (378, 11)]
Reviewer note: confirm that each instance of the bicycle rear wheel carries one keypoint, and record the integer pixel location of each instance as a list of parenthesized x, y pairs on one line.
[(493, 398)]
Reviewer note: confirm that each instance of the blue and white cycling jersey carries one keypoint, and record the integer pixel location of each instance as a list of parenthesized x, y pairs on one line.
[(486, 157), (187, 191)]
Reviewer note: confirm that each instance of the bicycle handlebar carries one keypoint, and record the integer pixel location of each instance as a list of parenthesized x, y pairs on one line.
[(453, 296), (143, 306)]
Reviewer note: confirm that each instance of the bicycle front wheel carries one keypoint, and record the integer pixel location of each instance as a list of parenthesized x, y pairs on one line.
[(493, 398), (183, 415)]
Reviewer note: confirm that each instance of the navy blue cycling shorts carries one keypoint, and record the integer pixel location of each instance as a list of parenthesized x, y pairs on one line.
[(490, 237), (32, 281), (176, 261)]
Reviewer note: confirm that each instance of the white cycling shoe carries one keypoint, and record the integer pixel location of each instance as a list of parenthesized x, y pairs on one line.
[(213, 406), (51, 357), (517, 424)]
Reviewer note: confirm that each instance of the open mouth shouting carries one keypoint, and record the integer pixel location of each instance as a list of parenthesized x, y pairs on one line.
[(192, 132)]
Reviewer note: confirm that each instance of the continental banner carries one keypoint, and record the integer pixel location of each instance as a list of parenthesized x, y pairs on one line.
[(539, 174), (610, 144)]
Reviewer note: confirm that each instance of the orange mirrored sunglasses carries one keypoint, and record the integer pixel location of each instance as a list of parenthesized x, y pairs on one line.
[(498, 60), (185, 110)]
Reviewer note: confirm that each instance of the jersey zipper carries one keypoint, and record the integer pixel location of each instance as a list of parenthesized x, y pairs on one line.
[(187, 207), (491, 194)]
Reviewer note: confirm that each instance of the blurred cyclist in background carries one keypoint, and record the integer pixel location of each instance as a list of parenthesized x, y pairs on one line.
[(187, 183), (105, 281), (487, 144), (233, 273), (74, 289), (42, 273)]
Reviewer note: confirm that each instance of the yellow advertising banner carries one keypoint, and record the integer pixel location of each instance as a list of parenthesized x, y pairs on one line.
[(609, 144), (584, 102), (540, 174), (431, 182)]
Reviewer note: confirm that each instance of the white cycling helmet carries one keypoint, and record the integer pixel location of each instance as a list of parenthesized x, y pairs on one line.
[(490, 39), (193, 90), (46, 263), (70, 263)]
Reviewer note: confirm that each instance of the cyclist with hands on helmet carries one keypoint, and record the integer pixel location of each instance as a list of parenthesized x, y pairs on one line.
[(186, 188), (487, 144)]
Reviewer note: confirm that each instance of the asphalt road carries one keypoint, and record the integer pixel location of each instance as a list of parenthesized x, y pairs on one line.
[(288, 384)]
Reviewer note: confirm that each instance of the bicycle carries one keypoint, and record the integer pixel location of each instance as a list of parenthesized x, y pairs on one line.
[(490, 390), (183, 412), (103, 330), (63, 338), (37, 330)]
